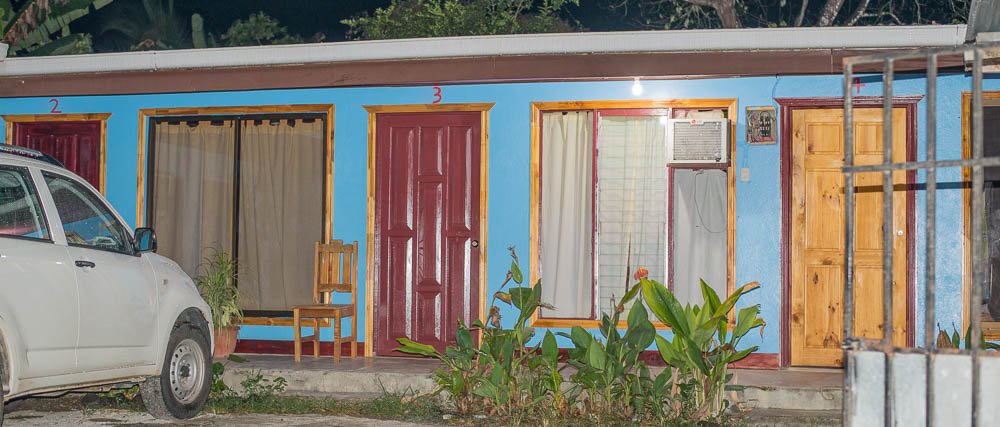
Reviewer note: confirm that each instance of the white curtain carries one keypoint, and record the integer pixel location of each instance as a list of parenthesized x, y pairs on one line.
[(281, 211), (567, 214), (699, 232), (192, 191), (632, 203)]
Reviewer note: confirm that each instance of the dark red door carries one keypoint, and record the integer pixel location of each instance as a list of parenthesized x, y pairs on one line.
[(76, 144), (427, 227)]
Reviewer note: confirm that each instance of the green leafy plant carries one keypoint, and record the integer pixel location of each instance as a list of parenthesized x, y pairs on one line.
[(217, 286), (258, 29), (445, 18), (148, 25), (254, 387), (702, 346), (29, 26), (502, 374), (609, 374), (121, 395), (219, 387), (257, 388), (954, 340)]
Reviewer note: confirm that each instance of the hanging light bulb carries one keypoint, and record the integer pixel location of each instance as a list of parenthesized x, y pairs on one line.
[(636, 87)]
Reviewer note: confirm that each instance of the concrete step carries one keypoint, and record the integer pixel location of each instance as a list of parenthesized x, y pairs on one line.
[(782, 418), (352, 378), (788, 389)]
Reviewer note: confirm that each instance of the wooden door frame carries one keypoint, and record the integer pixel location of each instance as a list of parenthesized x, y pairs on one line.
[(990, 99), (788, 106), (145, 127), (102, 118), (373, 112)]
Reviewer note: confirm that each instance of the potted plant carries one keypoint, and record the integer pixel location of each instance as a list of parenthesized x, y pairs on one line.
[(218, 287)]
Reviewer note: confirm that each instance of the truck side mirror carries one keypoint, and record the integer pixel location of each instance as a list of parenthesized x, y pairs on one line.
[(145, 240)]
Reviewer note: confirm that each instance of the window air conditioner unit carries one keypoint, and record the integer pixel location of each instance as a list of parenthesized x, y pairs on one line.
[(698, 141)]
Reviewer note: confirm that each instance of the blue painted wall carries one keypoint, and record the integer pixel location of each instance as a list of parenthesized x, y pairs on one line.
[(758, 204)]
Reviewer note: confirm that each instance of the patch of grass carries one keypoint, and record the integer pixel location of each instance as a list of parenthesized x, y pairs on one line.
[(388, 406)]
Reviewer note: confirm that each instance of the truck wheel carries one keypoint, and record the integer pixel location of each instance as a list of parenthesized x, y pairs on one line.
[(3, 394), (181, 389)]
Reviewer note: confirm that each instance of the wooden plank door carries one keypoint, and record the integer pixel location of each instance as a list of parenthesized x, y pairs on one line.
[(427, 208), (77, 144), (817, 244)]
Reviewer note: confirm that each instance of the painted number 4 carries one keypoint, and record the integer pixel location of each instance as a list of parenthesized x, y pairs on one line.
[(55, 106), (437, 95)]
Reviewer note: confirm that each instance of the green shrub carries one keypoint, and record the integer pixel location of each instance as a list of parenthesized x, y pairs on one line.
[(503, 375), (702, 346), (500, 375), (218, 288), (609, 376)]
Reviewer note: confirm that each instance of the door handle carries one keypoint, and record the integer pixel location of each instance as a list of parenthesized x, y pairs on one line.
[(475, 243), (85, 264)]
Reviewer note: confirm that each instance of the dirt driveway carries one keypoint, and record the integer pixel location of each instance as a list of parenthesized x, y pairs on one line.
[(106, 417)]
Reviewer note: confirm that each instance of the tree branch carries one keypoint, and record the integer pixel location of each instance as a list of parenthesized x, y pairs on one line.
[(829, 13), (802, 13), (858, 12), (725, 9)]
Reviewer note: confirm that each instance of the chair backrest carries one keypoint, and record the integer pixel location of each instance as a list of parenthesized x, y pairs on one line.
[(336, 271)]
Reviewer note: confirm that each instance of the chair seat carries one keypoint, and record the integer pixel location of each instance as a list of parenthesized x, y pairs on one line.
[(322, 310)]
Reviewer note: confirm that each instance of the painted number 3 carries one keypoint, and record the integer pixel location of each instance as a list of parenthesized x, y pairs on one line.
[(437, 95), (55, 106)]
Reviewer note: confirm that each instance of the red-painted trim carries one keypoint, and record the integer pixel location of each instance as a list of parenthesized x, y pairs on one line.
[(758, 361), (788, 105), (282, 347)]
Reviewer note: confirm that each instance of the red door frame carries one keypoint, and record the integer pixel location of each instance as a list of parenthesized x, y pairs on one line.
[(371, 239), (788, 105), (13, 120)]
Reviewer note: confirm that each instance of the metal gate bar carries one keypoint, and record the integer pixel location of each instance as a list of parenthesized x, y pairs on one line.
[(976, 162)]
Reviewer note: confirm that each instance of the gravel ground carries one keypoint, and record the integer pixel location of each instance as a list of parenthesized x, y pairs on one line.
[(107, 417)]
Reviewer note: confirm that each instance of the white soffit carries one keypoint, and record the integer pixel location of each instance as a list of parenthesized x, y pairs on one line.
[(486, 46)]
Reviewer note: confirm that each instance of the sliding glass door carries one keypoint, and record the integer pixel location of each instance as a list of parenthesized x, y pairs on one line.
[(252, 186)]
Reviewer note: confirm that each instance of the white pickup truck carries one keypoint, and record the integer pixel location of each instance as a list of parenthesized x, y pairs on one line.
[(85, 302)]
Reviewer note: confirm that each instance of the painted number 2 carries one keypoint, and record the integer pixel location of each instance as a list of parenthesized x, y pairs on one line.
[(55, 106), (437, 95)]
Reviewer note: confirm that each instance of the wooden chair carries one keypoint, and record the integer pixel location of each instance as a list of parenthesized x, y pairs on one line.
[(336, 270)]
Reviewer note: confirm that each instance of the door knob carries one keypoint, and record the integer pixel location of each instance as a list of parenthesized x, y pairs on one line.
[(475, 243)]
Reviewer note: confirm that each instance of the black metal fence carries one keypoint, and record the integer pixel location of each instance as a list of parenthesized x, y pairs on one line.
[(854, 345)]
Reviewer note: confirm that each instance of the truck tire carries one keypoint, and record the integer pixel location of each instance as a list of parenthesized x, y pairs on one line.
[(3, 374), (3, 394), (180, 392)]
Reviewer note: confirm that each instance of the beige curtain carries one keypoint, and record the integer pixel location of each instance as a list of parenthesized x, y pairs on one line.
[(700, 232), (281, 211), (566, 217), (193, 191), (632, 203)]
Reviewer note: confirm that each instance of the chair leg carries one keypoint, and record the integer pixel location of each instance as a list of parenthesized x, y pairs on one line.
[(336, 339), (296, 325), (354, 335), (315, 338)]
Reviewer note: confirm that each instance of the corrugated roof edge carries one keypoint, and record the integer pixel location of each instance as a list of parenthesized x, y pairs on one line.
[(484, 46)]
